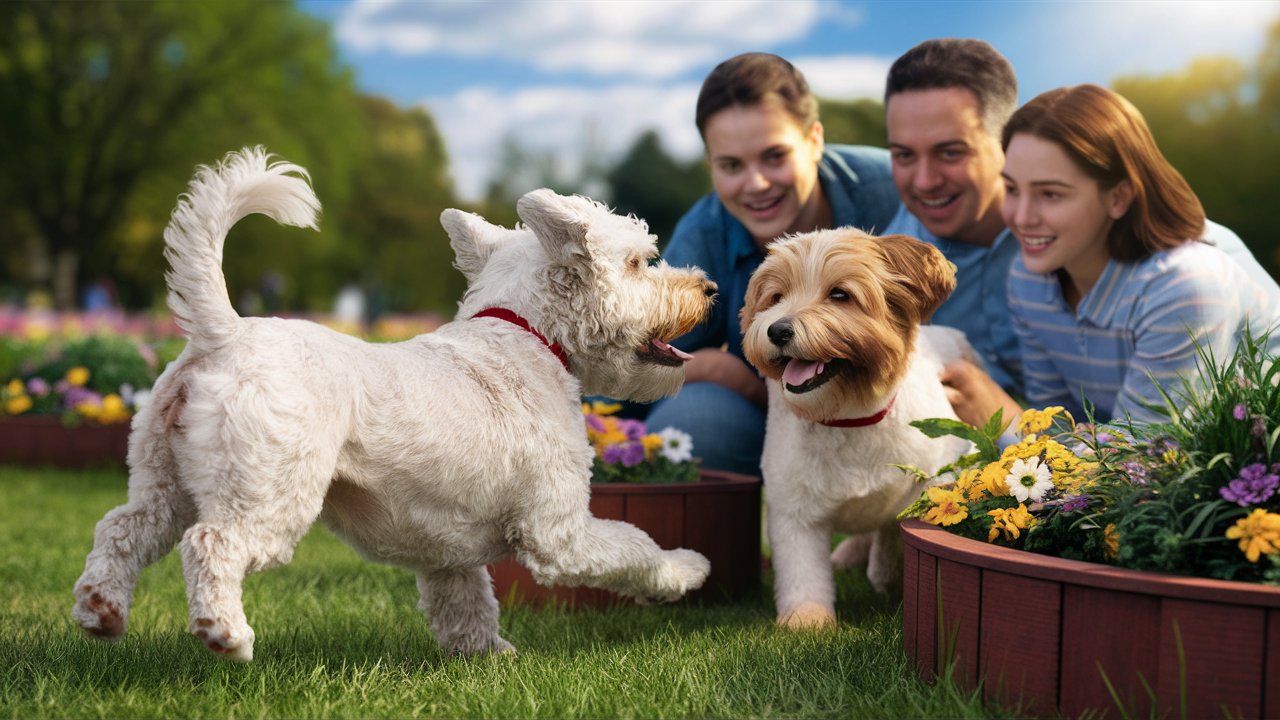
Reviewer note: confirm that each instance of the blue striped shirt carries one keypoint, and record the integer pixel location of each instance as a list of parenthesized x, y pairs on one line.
[(1132, 323)]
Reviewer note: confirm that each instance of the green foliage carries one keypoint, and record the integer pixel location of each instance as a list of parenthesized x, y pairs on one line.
[(113, 361), (853, 122), (656, 187), (1218, 123)]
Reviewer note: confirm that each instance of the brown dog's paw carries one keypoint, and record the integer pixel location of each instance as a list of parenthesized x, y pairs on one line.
[(808, 616)]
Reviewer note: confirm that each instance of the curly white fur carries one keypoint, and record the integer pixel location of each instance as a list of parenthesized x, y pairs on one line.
[(439, 454)]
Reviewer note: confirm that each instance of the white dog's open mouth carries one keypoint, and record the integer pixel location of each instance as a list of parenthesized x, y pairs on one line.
[(800, 376), (660, 353)]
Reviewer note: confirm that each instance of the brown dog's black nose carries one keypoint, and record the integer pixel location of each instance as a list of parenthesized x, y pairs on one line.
[(710, 288), (780, 333)]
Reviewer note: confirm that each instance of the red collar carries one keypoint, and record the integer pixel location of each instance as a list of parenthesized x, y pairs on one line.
[(514, 319), (862, 421)]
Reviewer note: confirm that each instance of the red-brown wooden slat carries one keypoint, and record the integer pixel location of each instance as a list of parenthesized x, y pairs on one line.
[(1223, 646), (1018, 650), (961, 610), (1116, 633), (910, 606)]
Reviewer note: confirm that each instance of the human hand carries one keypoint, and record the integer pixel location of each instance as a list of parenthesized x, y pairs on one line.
[(974, 396), (724, 368)]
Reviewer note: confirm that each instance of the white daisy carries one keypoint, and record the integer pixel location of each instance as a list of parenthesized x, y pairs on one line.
[(677, 445), (1029, 480)]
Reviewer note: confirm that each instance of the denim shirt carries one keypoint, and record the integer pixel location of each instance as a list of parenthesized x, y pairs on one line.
[(979, 305), (857, 182)]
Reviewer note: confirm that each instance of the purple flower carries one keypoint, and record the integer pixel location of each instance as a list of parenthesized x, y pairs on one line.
[(1136, 471), (1240, 412), (76, 395), (1075, 503), (632, 454), (1103, 438), (38, 387), (1259, 430), (633, 429), (595, 423), (1254, 485), (612, 454)]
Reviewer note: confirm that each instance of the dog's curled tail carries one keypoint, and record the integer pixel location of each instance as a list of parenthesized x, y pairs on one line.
[(244, 183)]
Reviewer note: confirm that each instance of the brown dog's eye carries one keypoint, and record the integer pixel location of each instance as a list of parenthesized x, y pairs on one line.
[(838, 295), (774, 299)]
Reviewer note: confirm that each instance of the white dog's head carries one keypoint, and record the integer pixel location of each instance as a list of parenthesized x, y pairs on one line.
[(584, 278), (832, 315)]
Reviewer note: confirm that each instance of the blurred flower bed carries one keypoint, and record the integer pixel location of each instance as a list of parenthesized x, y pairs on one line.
[(99, 367), (625, 450)]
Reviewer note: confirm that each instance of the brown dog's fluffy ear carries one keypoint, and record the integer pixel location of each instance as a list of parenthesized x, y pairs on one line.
[(927, 276)]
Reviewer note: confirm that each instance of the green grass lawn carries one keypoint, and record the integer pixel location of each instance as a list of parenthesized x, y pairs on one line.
[(338, 637)]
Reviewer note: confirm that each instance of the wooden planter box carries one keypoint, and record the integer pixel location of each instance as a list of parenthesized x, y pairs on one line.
[(43, 440), (1042, 631), (718, 516)]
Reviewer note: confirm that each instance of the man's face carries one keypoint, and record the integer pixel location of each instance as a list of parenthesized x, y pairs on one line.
[(946, 166)]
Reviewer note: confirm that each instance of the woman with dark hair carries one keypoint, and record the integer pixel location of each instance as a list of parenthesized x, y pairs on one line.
[(1114, 286), (772, 174)]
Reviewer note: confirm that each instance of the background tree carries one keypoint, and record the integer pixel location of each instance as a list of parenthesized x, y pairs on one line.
[(1218, 122), (399, 254), (853, 122), (107, 106), (652, 185)]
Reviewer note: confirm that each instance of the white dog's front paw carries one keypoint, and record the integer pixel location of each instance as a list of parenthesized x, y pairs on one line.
[(681, 571), (807, 616), (234, 644), (100, 611), (473, 647)]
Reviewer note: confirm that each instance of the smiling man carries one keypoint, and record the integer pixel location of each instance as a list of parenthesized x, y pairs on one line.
[(946, 102)]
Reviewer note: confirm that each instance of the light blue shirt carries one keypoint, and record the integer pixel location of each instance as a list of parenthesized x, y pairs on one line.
[(978, 306), (1133, 325), (856, 180)]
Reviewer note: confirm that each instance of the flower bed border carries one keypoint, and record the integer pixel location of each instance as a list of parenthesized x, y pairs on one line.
[(719, 516), (1050, 623), (35, 440)]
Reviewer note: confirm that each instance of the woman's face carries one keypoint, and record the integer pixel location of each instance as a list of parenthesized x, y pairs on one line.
[(764, 167), (1060, 215)]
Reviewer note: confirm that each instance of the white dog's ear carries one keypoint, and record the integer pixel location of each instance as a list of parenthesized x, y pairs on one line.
[(472, 238), (561, 223)]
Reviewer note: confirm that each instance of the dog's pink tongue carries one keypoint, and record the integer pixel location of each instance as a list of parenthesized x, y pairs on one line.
[(671, 349), (799, 372)]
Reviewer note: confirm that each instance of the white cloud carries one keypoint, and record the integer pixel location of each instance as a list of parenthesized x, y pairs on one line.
[(567, 121), (628, 38), (845, 77)]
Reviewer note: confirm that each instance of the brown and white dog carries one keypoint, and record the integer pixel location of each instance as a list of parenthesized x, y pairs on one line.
[(833, 320)]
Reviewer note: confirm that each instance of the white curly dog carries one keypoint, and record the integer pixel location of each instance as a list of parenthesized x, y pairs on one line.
[(439, 454)]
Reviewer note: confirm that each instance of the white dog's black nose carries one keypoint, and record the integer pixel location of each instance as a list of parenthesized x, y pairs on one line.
[(780, 333)]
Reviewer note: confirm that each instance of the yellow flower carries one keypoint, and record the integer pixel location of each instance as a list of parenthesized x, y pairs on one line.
[(948, 507), (1010, 521), (15, 387), (596, 407), (17, 405), (1112, 538), (78, 376), (1258, 533), (113, 409), (89, 409), (652, 443), (1034, 421)]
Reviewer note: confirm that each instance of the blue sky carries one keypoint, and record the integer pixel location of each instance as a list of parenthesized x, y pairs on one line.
[(587, 76)]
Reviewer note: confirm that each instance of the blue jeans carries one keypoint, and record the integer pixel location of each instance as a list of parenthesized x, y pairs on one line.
[(727, 429)]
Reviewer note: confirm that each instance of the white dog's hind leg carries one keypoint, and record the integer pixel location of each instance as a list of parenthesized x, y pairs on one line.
[(884, 566), (218, 553), (126, 540), (853, 551), (803, 586), (462, 611), (615, 556)]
